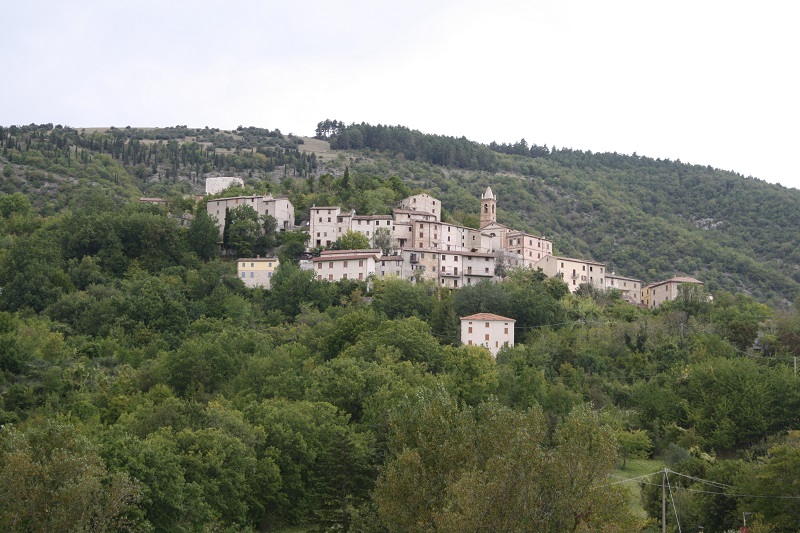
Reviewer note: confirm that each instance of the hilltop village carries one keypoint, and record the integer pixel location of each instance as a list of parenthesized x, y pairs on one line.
[(415, 244)]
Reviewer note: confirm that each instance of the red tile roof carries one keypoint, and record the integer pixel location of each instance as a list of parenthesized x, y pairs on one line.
[(487, 316)]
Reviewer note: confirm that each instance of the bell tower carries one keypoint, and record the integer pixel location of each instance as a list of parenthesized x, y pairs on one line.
[(488, 208)]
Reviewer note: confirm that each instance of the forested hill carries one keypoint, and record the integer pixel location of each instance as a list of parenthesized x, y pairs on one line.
[(646, 218), (145, 387)]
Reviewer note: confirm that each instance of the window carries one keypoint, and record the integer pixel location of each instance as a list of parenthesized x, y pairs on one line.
[(360, 275), (487, 324), (344, 276), (330, 277), (252, 274), (487, 336), (319, 266), (330, 264), (319, 278), (420, 234), (505, 330), (345, 264), (469, 342), (242, 265), (469, 329), (361, 262), (244, 273)]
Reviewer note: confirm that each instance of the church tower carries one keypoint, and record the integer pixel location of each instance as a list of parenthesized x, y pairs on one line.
[(488, 208)]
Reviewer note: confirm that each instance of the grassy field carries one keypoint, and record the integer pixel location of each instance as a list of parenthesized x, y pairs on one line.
[(633, 469)]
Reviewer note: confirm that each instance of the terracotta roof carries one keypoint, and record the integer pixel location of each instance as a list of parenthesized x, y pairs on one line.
[(677, 279), (615, 276), (366, 251), (587, 261), (413, 212), (251, 259), (487, 316), (342, 255), (344, 258)]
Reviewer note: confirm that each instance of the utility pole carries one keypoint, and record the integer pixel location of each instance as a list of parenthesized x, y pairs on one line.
[(664, 501)]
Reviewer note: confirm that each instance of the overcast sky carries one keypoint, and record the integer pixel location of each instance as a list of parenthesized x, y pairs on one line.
[(706, 82)]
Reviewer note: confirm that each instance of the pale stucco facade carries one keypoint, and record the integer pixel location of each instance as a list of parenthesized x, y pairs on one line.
[(488, 330), (574, 272), (630, 288), (257, 272), (279, 208), (344, 264), (656, 294)]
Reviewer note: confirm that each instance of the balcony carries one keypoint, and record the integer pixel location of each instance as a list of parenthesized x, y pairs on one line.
[(414, 258), (479, 272), (450, 272)]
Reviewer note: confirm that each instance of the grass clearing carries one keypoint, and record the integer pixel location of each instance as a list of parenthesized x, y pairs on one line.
[(635, 468)]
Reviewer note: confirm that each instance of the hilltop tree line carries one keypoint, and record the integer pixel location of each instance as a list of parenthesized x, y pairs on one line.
[(166, 152)]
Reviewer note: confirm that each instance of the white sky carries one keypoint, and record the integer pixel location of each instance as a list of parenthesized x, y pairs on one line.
[(707, 82)]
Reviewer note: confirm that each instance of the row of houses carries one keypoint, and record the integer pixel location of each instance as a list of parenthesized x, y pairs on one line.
[(422, 247)]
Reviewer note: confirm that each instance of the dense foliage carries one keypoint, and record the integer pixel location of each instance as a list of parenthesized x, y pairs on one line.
[(143, 387)]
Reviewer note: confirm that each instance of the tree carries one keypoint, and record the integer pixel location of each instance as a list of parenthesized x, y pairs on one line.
[(351, 240), (292, 246), (776, 475), (444, 319), (382, 240), (449, 466), (52, 479), (292, 288), (203, 235), (32, 275), (244, 230), (15, 203), (634, 444), (399, 298)]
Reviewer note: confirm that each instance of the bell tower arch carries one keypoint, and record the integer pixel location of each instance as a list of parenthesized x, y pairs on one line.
[(488, 208)]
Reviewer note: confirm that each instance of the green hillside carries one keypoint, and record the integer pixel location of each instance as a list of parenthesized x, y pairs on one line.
[(646, 218), (144, 387)]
